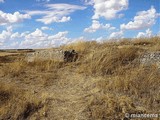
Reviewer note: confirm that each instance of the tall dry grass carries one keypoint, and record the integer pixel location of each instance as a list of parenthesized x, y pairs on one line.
[(106, 82), (18, 104), (21, 66), (106, 61)]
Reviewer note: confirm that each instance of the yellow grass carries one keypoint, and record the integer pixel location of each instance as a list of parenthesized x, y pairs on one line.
[(6, 54), (105, 83)]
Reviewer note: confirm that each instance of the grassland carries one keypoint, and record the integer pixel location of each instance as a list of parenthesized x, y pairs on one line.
[(106, 82)]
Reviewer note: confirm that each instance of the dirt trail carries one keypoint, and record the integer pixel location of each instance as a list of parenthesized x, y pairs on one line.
[(72, 98), (66, 98)]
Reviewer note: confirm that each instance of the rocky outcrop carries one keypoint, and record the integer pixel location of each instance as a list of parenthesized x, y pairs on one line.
[(151, 58), (45, 55)]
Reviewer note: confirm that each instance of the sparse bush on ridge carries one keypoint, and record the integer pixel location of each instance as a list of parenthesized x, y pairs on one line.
[(106, 82)]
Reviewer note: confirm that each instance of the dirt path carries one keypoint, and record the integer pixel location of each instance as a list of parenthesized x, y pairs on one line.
[(66, 98), (72, 98)]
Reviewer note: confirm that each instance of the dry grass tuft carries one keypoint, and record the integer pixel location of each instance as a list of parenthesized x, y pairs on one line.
[(109, 106), (107, 61), (14, 69), (47, 65), (17, 103)]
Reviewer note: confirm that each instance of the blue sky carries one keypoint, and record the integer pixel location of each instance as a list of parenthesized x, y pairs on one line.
[(49, 23)]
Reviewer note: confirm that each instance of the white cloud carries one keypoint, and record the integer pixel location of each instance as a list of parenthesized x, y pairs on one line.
[(143, 19), (97, 26), (1, 1), (49, 20), (46, 28), (58, 35), (88, 2), (8, 18), (37, 35), (15, 35), (109, 9), (79, 39), (116, 35), (35, 39), (56, 13), (5, 35), (147, 33), (38, 39), (1, 43), (100, 39)]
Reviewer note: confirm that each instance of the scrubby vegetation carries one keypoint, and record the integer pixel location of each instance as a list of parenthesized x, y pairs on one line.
[(106, 82)]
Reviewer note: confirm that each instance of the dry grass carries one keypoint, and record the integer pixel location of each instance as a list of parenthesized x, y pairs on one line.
[(108, 61), (17, 103), (105, 83), (6, 54)]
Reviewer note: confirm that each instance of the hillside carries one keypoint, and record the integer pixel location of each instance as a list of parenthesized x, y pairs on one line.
[(106, 82)]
